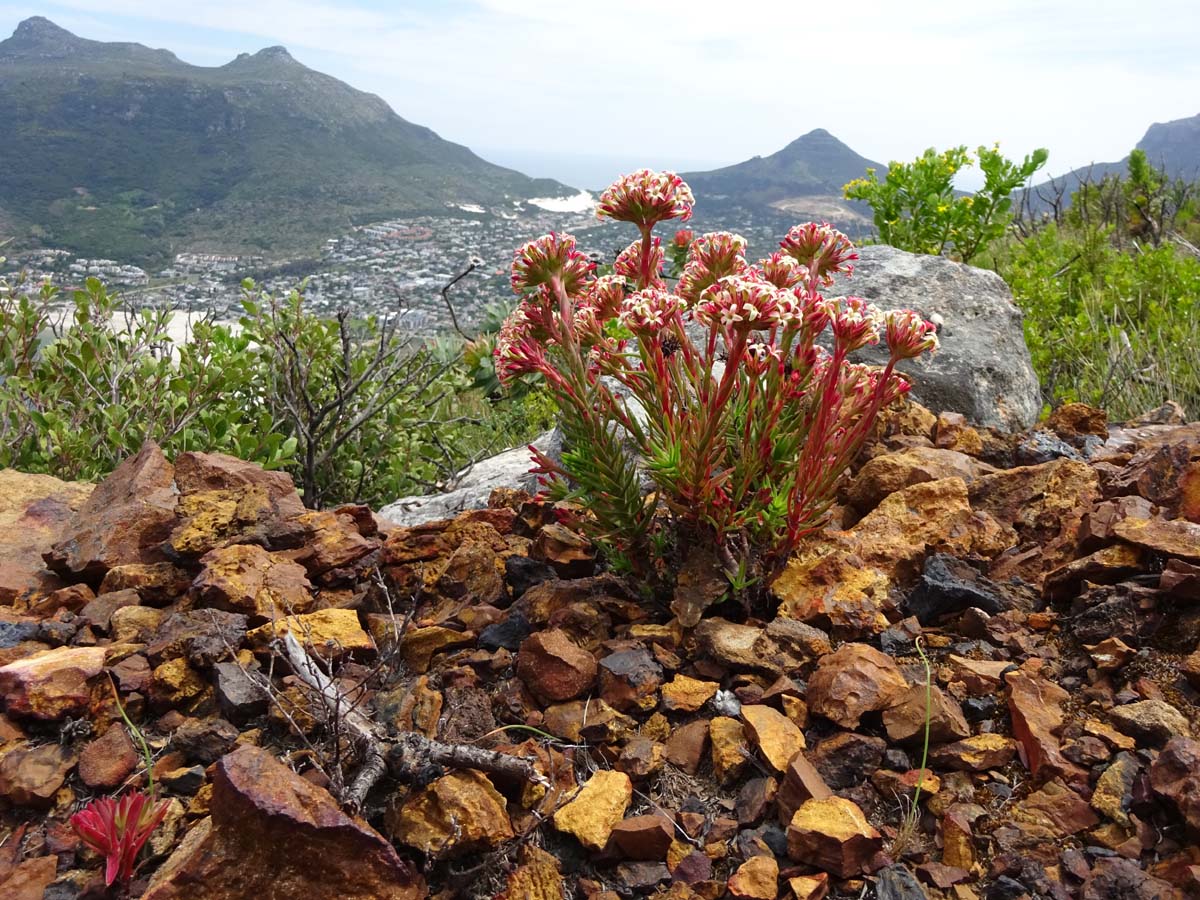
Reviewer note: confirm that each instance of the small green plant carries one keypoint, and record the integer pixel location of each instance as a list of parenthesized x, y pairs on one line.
[(916, 207), (910, 821)]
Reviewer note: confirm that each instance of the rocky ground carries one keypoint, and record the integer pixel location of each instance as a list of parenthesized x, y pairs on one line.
[(1053, 578)]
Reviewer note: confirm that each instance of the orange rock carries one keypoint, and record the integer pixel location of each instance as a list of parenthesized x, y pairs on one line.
[(833, 835), (331, 633), (891, 472), (801, 782), (107, 761), (554, 668), (643, 837), (536, 878), (51, 684), (777, 737), (418, 645), (457, 813), (916, 708), (853, 680), (1035, 706), (31, 776), (686, 694), (1174, 537), (756, 879), (596, 809), (245, 578), (810, 887), (975, 754), (730, 755)]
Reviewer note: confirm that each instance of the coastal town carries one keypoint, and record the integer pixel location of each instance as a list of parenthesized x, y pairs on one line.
[(394, 266)]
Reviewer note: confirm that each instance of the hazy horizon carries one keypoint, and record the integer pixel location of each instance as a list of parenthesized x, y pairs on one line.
[(552, 91)]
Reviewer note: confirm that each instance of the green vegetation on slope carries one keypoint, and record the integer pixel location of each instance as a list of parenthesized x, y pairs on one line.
[(129, 152)]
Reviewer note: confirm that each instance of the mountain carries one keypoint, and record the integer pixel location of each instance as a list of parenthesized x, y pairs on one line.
[(1173, 147), (120, 150), (802, 181)]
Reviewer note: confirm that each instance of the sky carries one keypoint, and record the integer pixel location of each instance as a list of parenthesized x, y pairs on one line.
[(581, 90)]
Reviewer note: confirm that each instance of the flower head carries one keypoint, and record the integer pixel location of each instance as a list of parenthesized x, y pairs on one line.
[(908, 335), (822, 248), (855, 322), (543, 259), (646, 198), (741, 303), (710, 258), (683, 238), (649, 311), (629, 263), (519, 351), (782, 270), (604, 296), (117, 830)]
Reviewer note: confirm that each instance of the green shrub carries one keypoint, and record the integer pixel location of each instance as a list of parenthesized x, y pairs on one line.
[(917, 209), (1110, 288), (87, 386)]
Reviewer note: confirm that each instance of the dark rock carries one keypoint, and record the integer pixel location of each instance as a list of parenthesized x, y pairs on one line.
[(13, 633), (847, 759), (950, 585), (204, 740), (506, 634), (1042, 447), (521, 573), (238, 697), (204, 636), (1112, 878), (898, 883)]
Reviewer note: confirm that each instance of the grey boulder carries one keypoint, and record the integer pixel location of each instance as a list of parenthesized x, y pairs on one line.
[(983, 369)]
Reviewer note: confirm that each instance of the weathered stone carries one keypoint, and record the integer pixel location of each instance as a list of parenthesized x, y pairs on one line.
[(34, 510), (31, 776), (156, 583), (474, 485), (891, 472), (958, 841), (834, 835), (755, 879), (594, 811), (204, 740), (948, 585), (975, 754), (52, 684), (1110, 654), (643, 837), (907, 718), (827, 583), (203, 636), (629, 680), (1044, 505), (329, 632), (245, 578), (1170, 537), (418, 645), (273, 834), (1113, 792), (176, 685), (107, 761), (641, 757), (687, 744), (99, 612), (238, 696), (801, 782), (810, 887), (846, 758), (332, 541), (457, 813), (1175, 775), (686, 694), (776, 736), (135, 624), (1166, 471), (1052, 813), (983, 368), (124, 520), (853, 680), (1153, 721), (1114, 877), (1035, 705), (730, 755), (30, 879), (473, 570), (554, 667), (536, 878)]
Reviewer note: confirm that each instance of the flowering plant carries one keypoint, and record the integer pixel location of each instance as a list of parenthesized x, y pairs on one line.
[(741, 419), (118, 829)]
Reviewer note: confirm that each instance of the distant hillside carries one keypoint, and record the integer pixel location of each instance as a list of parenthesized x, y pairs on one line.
[(1171, 146), (115, 149), (802, 181)]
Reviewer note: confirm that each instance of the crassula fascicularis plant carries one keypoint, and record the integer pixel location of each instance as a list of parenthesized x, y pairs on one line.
[(717, 383)]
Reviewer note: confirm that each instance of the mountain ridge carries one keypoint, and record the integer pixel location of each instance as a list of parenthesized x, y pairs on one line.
[(123, 144)]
